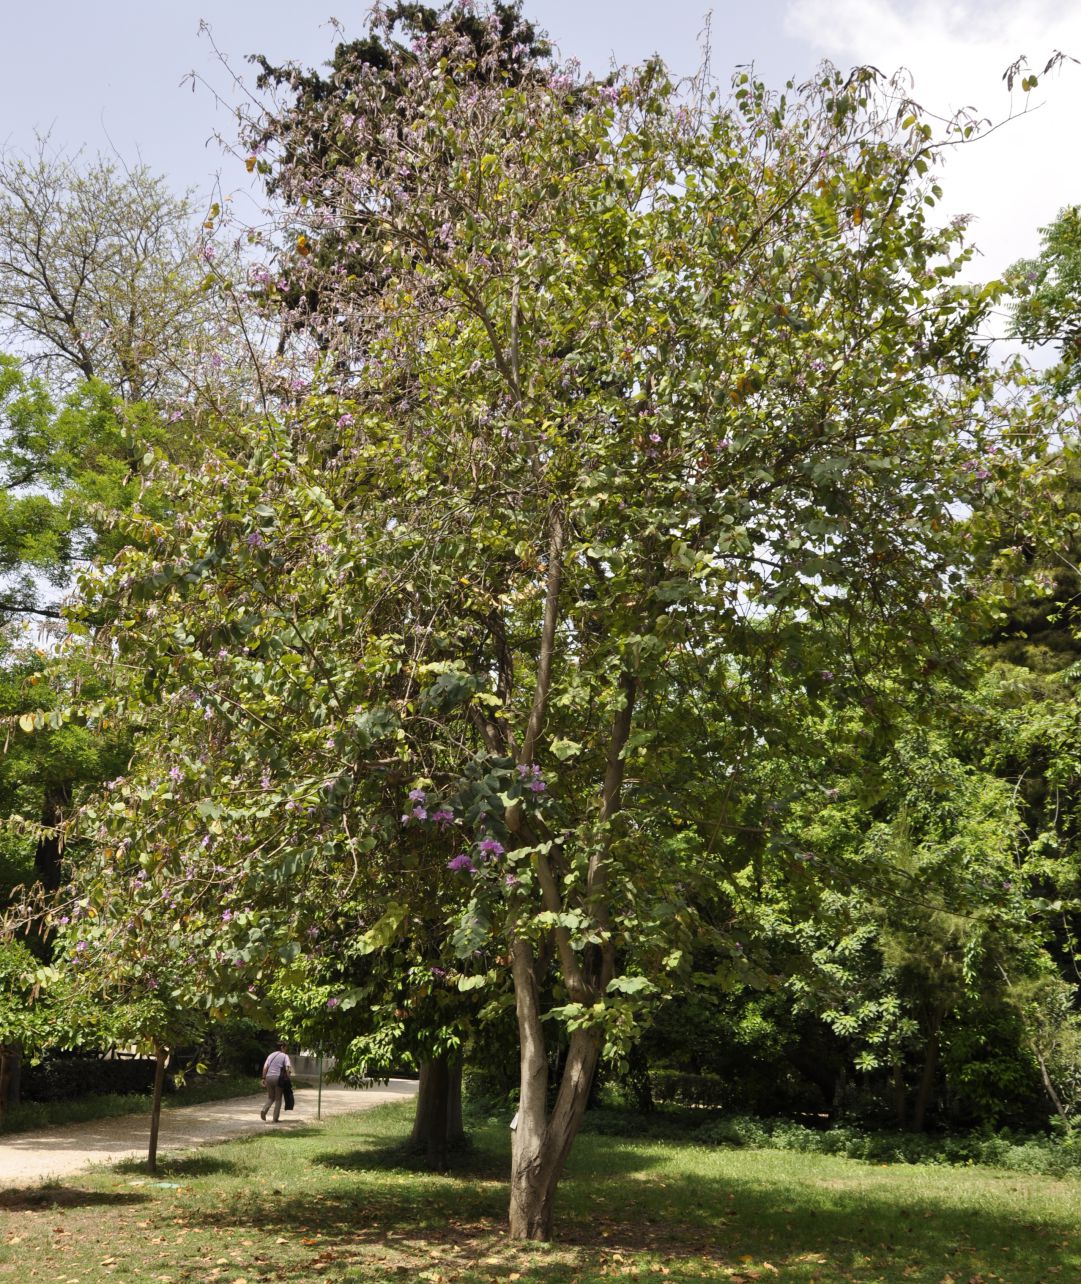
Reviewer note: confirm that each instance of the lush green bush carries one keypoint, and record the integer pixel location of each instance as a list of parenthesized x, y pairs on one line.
[(1030, 1153), (237, 1047)]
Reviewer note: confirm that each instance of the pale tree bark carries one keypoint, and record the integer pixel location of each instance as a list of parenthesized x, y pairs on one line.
[(543, 1139)]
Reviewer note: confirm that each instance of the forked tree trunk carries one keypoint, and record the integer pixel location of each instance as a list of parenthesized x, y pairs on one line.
[(542, 1141), (155, 1108)]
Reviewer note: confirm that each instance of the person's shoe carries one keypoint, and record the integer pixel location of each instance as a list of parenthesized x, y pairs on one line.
[(262, 1115)]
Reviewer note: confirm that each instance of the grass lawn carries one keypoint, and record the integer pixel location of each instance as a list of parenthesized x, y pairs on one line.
[(339, 1203)]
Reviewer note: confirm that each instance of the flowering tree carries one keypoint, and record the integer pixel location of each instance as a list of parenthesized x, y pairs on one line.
[(641, 402)]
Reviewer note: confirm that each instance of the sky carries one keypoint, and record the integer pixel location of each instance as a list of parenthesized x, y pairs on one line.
[(114, 76)]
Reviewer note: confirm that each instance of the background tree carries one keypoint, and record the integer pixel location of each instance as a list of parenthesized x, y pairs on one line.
[(98, 271), (1047, 290)]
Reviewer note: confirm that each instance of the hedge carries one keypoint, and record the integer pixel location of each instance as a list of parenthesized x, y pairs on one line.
[(68, 1078)]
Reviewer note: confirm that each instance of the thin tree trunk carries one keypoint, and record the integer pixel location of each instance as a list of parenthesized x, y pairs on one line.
[(49, 851), (927, 1078), (160, 1054), (899, 1094), (638, 1078), (1048, 1084), (527, 1221)]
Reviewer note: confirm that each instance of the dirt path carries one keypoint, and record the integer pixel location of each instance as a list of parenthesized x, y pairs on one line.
[(56, 1152)]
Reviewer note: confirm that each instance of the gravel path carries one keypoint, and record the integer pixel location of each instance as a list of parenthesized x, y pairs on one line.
[(56, 1152)]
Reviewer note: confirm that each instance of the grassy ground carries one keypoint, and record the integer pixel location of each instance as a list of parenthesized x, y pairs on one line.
[(46, 1114), (340, 1203)]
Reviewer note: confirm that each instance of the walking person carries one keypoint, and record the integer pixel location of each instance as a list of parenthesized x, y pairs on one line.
[(277, 1070)]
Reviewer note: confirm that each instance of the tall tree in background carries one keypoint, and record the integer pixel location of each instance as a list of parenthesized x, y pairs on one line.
[(98, 272), (1047, 292)]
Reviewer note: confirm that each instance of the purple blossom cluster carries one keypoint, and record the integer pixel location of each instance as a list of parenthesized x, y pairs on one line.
[(442, 815), (530, 773)]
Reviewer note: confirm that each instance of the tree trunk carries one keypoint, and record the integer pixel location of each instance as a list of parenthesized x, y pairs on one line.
[(541, 1145), (542, 1141), (927, 1079), (422, 1115), (455, 1122), (49, 851), (840, 1087), (439, 1078), (11, 1073), (155, 1108), (899, 1094), (426, 1120), (15, 1075), (638, 1080)]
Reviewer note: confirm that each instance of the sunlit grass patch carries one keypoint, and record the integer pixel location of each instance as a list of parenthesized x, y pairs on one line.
[(345, 1203)]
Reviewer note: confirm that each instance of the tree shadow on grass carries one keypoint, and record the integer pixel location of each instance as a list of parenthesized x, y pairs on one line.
[(614, 1199), (27, 1198), (200, 1165), (465, 1160)]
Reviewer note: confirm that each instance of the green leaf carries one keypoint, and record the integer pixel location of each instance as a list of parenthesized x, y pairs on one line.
[(381, 933)]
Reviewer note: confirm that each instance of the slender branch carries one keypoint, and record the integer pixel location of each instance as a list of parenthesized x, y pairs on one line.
[(548, 634), (611, 801)]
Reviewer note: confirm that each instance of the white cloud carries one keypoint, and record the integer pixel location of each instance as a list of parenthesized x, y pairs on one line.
[(1016, 179)]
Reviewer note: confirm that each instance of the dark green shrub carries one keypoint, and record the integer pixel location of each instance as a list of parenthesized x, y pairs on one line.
[(673, 1088), (67, 1078)]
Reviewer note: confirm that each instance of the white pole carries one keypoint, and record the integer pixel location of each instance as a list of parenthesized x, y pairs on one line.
[(319, 1100)]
